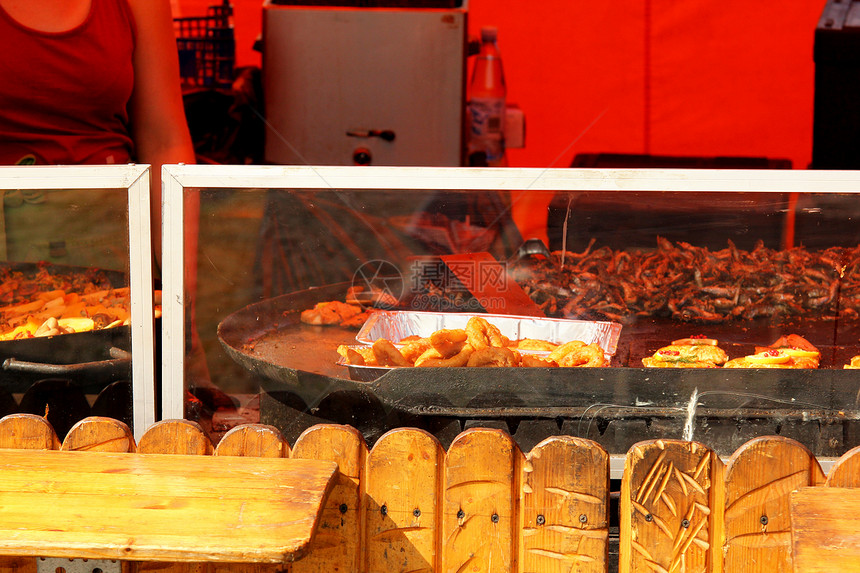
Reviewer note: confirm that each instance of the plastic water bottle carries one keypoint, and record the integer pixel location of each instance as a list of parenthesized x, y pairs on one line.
[(486, 109)]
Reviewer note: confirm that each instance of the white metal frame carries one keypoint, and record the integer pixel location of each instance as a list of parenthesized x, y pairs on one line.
[(177, 178), (135, 180)]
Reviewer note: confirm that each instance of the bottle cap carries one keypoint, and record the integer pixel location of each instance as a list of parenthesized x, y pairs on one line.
[(489, 33)]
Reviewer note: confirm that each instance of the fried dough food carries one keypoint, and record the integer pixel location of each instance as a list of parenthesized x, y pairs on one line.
[(480, 344), (331, 312), (61, 312), (776, 358), (697, 351), (788, 351), (854, 364), (494, 356)]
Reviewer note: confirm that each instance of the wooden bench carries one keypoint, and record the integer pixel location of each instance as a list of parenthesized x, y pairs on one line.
[(97, 499)]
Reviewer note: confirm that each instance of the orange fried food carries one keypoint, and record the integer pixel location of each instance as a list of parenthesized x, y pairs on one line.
[(432, 358), (566, 348), (534, 344), (854, 363), (328, 313), (414, 347), (686, 356), (494, 356), (534, 361), (789, 341), (357, 320), (387, 354), (587, 356), (482, 334), (777, 358), (696, 339), (362, 356), (448, 342)]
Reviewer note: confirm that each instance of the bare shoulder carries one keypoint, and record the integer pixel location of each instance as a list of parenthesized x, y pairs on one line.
[(149, 14)]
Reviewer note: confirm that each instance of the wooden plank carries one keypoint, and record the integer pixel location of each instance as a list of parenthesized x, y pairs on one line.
[(403, 522), (825, 529), (159, 507), (482, 520), (99, 434), (175, 437), (254, 440), (339, 542), (759, 478), (27, 432), (182, 437), (258, 441), (667, 507), (565, 507)]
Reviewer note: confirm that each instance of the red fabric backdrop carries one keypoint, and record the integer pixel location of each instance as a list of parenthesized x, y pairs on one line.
[(641, 76)]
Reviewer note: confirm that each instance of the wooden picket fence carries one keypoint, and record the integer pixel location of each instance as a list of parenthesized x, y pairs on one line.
[(408, 505)]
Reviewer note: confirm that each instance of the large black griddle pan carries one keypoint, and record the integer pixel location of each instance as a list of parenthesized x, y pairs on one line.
[(268, 339), (94, 355)]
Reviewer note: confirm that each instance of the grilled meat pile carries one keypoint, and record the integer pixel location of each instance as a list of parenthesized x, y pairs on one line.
[(694, 284)]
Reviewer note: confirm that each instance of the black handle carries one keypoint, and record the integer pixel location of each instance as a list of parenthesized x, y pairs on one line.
[(384, 134)]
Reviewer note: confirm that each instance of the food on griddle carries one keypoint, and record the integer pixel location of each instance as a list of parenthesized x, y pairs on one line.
[(494, 356), (697, 340), (537, 361), (387, 354), (777, 358), (534, 344), (448, 341), (331, 313), (49, 313), (789, 341), (433, 358), (358, 356), (357, 320), (854, 363), (412, 349), (482, 334), (479, 344), (687, 355), (787, 351), (694, 284), (578, 353), (585, 356)]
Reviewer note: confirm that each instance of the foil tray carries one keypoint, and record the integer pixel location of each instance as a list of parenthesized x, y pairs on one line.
[(398, 325)]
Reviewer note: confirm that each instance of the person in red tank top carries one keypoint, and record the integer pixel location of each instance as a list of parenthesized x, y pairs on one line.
[(92, 82)]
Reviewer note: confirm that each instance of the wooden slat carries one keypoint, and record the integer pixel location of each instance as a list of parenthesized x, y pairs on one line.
[(566, 507), (846, 471), (183, 437), (403, 493), (27, 432), (826, 529), (339, 541), (254, 440), (668, 520), (175, 437), (99, 434), (258, 441), (759, 478), (482, 519)]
